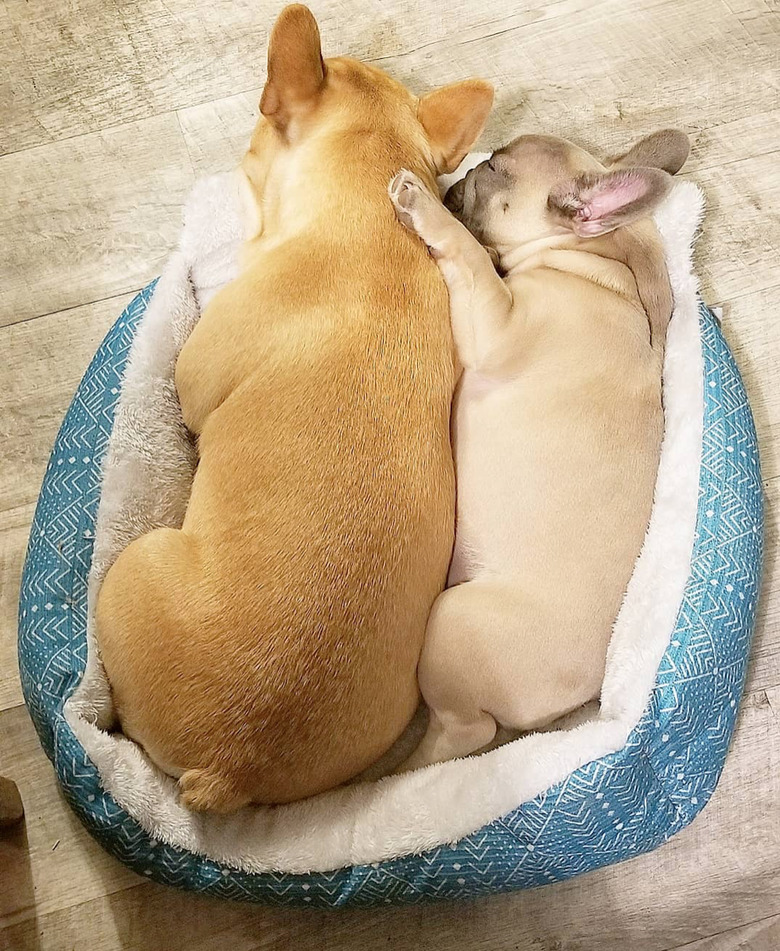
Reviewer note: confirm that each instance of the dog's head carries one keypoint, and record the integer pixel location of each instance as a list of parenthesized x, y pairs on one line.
[(540, 185), (318, 116)]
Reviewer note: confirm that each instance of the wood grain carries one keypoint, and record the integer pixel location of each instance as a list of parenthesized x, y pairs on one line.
[(76, 66), (683, 891), (735, 251), (90, 218), (65, 866), (108, 111), (216, 133), (759, 936)]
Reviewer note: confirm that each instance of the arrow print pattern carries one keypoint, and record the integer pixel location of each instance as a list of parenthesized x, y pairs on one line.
[(608, 810)]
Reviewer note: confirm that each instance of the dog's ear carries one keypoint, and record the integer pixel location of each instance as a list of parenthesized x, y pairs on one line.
[(296, 72), (594, 204), (453, 118), (666, 150)]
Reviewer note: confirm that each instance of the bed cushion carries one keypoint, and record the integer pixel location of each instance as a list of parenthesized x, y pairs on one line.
[(607, 809)]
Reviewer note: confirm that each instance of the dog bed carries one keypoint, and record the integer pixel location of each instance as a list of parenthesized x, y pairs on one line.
[(545, 807)]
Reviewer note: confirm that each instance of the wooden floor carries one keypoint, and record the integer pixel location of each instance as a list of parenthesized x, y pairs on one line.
[(109, 110)]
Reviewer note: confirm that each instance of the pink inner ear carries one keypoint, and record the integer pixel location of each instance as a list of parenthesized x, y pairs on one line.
[(611, 194)]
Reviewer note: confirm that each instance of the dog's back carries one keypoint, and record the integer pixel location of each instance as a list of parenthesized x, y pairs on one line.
[(557, 425), (268, 650), (574, 440)]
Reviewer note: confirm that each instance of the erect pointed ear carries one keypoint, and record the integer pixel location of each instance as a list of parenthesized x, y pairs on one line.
[(453, 118), (296, 72), (666, 150), (594, 204)]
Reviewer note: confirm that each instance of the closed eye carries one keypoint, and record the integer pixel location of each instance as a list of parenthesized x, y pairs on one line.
[(490, 165)]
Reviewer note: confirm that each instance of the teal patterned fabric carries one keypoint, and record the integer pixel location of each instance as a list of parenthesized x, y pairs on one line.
[(611, 809)]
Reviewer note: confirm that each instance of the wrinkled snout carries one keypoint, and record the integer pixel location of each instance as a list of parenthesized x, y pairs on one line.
[(453, 200), (467, 199)]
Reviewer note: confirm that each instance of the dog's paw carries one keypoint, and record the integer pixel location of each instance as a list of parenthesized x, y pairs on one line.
[(408, 195), (405, 189)]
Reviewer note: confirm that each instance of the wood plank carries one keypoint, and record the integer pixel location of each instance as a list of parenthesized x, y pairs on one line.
[(719, 873), (58, 865), (764, 667), (89, 218), (735, 254), (747, 9), (43, 361), (747, 136), (14, 532), (759, 936), (75, 67), (217, 131), (81, 66), (668, 65)]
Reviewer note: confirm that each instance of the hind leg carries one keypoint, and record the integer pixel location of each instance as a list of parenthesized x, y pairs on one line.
[(454, 675), (493, 658), (144, 617), (450, 735), (155, 632)]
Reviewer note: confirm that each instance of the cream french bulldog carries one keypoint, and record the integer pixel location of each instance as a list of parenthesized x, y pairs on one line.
[(557, 423)]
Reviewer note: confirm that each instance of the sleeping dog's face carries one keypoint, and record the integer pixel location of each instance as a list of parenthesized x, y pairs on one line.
[(539, 186)]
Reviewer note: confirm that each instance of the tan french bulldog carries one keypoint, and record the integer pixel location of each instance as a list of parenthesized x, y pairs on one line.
[(557, 424), (267, 650)]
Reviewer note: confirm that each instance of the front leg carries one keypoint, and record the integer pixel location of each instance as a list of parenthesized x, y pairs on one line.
[(480, 302)]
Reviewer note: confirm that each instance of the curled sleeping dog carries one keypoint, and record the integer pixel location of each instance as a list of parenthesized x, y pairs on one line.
[(557, 423), (268, 649)]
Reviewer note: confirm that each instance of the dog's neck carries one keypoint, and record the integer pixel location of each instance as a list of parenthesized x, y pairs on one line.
[(571, 255), (629, 262), (346, 200), (524, 256)]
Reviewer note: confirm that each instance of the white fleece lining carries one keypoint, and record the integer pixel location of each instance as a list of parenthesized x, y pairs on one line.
[(147, 471)]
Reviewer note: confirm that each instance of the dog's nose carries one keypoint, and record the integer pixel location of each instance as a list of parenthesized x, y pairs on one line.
[(453, 200)]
